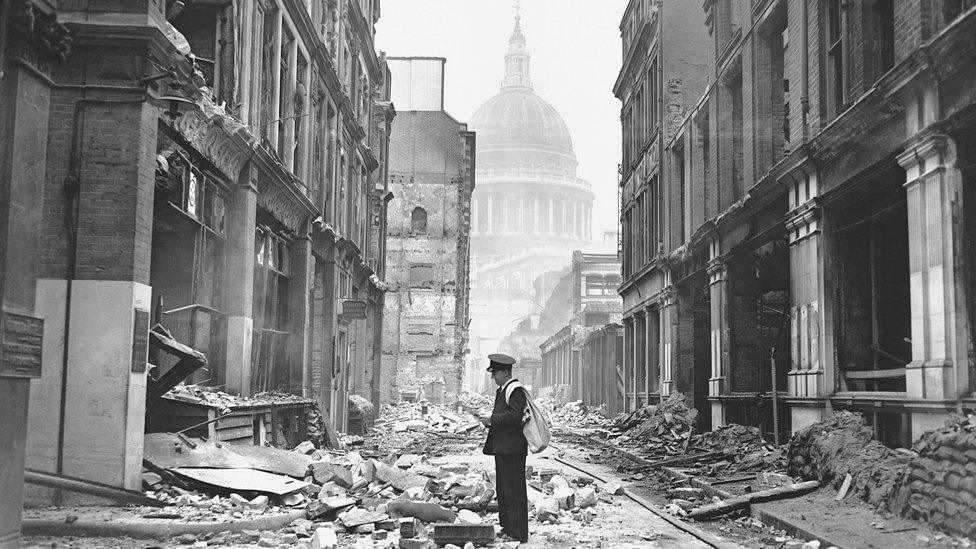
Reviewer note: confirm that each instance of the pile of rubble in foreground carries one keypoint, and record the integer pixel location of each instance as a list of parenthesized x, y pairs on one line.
[(361, 498)]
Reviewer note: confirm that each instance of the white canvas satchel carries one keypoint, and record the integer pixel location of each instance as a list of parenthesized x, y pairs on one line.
[(534, 424)]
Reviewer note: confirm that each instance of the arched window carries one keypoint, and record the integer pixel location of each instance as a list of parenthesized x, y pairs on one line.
[(418, 221)]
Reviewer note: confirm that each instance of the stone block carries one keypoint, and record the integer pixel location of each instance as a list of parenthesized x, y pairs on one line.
[(325, 538), (460, 533)]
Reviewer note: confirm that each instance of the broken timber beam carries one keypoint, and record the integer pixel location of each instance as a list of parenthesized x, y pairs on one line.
[(91, 488), (680, 459), (738, 502)]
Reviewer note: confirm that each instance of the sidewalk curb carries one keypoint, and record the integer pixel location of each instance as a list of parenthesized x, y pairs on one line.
[(150, 530)]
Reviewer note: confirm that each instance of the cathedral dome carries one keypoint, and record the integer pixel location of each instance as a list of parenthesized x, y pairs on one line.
[(516, 118)]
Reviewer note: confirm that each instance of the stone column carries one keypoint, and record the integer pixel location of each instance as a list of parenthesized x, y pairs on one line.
[(300, 315), (552, 214), (806, 377), (936, 241), (652, 348), (536, 218), (669, 328), (718, 382), (240, 282), (628, 361), (491, 213), (640, 360)]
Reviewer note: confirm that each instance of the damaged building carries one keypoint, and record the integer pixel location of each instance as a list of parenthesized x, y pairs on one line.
[(432, 163), (207, 173), (580, 360), (806, 245)]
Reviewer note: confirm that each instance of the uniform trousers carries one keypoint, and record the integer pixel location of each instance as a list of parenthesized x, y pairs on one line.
[(513, 502)]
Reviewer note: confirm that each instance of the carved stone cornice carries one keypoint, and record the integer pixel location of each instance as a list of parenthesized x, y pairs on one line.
[(804, 221), (213, 137)]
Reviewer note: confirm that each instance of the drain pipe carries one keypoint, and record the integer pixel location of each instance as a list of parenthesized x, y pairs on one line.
[(804, 68)]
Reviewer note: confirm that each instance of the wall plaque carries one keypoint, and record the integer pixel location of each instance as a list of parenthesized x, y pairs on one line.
[(20, 351)]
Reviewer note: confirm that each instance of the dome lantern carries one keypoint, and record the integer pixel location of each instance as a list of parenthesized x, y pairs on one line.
[(517, 59)]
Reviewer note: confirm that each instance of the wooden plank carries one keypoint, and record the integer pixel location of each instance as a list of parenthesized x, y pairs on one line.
[(875, 374), (235, 433), (234, 421), (738, 502), (83, 486)]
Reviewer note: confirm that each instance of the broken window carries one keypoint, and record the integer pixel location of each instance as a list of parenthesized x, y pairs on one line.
[(270, 307), (872, 294), (267, 93), (418, 221), (188, 261)]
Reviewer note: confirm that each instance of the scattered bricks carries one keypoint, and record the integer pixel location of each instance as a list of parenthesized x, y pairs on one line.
[(415, 543), (407, 461), (260, 503), (305, 448), (334, 472), (385, 524), (409, 527), (325, 538), (250, 536), (380, 535), (469, 517), (364, 529), (586, 497), (565, 497), (238, 500), (400, 479), (613, 488), (289, 539), (459, 533)]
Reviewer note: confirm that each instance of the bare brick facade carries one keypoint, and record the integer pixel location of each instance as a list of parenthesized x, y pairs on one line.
[(428, 244)]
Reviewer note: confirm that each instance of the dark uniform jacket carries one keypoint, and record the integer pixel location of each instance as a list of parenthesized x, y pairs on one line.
[(505, 433)]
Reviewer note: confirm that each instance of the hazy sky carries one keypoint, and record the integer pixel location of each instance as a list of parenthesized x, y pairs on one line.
[(576, 54)]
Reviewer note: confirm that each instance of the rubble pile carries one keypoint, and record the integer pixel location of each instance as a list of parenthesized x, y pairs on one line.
[(844, 444), (574, 415), (666, 427), (567, 500), (744, 446), (941, 482), (476, 401), (424, 416), (210, 396)]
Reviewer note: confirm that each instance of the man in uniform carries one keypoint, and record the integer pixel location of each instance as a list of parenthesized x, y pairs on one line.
[(507, 443)]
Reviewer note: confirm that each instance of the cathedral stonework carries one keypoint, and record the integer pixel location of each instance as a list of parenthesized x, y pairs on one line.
[(530, 210)]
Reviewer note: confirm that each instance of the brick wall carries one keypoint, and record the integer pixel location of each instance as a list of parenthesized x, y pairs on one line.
[(115, 188)]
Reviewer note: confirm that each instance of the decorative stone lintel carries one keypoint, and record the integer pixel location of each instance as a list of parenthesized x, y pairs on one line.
[(211, 140)]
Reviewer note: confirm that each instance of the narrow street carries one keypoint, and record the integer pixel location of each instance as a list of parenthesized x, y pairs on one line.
[(340, 273), (425, 461)]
